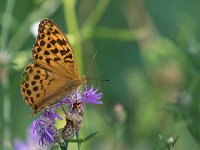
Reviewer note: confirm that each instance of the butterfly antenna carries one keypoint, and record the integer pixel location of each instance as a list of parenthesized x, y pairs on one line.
[(91, 63), (93, 57), (98, 79)]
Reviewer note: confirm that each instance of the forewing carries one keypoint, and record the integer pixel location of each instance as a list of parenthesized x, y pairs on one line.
[(53, 51)]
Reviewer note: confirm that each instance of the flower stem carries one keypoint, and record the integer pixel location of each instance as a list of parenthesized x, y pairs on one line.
[(94, 17), (6, 107), (73, 28), (6, 22), (79, 144)]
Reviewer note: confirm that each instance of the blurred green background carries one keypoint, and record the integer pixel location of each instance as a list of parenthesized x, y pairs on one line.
[(149, 50)]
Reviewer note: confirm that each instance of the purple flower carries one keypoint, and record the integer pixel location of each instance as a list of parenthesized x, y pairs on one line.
[(52, 115), (44, 127), (92, 97), (89, 96)]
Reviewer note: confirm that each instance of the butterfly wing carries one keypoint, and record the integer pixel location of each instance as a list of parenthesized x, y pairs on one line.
[(41, 87), (53, 51)]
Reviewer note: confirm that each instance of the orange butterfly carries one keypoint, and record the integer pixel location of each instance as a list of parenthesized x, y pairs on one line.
[(53, 72)]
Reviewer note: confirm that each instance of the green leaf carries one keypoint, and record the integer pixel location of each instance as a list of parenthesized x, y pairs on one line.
[(91, 135)]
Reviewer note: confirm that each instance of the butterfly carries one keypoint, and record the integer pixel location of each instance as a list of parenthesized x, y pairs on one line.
[(53, 72)]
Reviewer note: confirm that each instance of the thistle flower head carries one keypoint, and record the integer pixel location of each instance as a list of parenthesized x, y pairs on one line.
[(44, 126), (89, 96)]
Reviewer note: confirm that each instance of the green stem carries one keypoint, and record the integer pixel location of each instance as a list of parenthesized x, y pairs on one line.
[(73, 28), (20, 37), (79, 144), (6, 22), (97, 13), (6, 108), (117, 34), (94, 17)]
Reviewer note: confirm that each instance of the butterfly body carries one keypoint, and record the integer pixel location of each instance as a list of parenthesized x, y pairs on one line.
[(53, 73)]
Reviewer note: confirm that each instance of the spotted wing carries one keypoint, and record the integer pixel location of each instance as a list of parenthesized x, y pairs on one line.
[(53, 51), (41, 87)]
